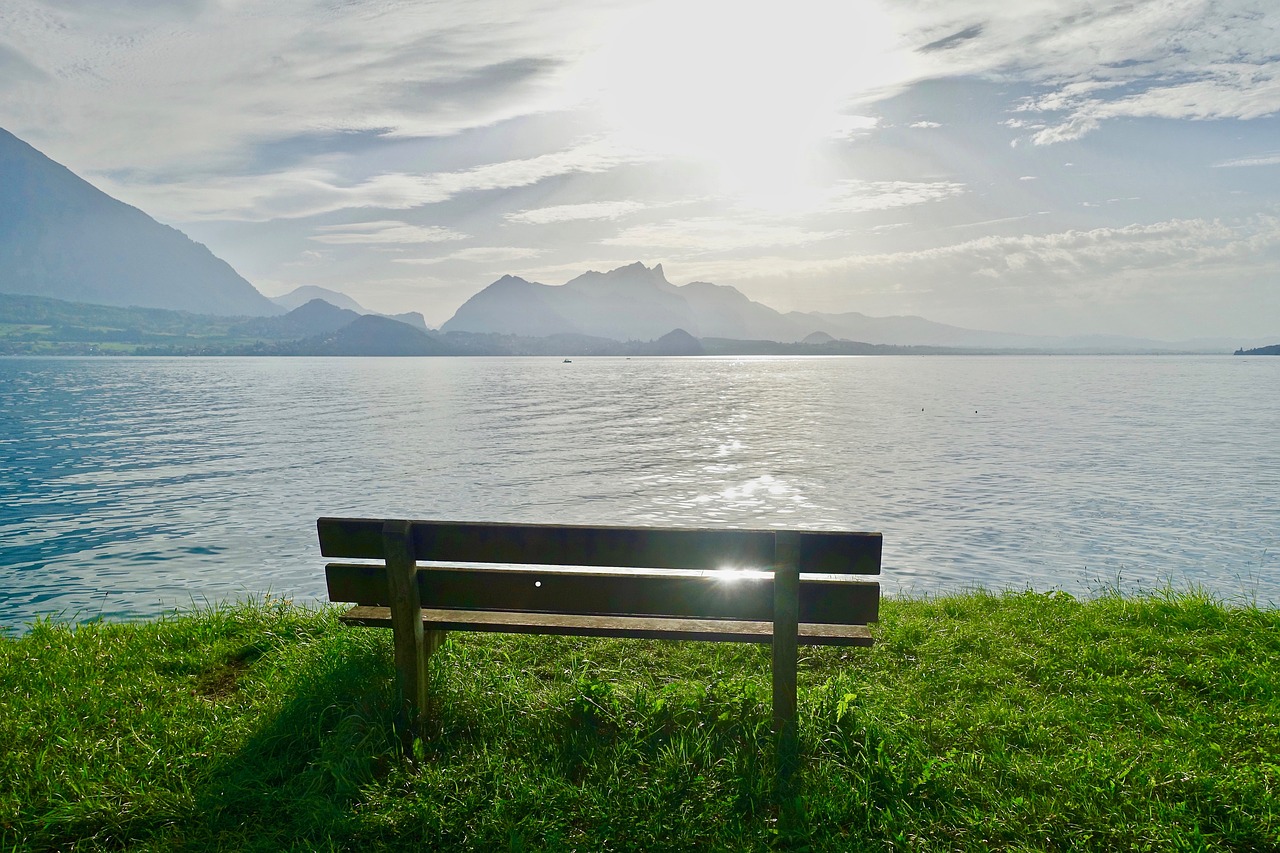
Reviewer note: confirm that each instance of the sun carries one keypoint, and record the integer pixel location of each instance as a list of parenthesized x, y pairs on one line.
[(750, 91)]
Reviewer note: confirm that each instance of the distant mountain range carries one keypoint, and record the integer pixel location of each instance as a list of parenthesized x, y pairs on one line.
[(37, 325), (302, 295), (638, 303), (63, 239), (33, 325)]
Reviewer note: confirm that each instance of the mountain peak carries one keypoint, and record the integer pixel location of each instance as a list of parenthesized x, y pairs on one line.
[(511, 281), (678, 342), (639, 269), (309, 292), (631, 277)]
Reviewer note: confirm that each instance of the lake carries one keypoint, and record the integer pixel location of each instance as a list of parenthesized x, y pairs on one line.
[(129, 486)]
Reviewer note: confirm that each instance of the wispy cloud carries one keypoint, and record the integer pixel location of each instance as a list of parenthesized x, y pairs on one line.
[(1081, 280), (477, 254), (1227, 91), (851, 196), (385, 231), (576, 212), (1144, 59), (854, 126), (712, 234), (950, 41), (400, 66), (1071, 256), (313, 190), (1269, 159)]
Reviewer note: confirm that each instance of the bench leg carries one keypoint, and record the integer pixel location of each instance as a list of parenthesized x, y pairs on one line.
[(786, 617), (413, 645)]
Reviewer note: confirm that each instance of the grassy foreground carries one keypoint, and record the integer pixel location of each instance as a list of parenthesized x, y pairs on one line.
[(979, 721)]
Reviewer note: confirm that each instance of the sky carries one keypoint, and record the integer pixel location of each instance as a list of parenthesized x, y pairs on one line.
[(1046, 167)]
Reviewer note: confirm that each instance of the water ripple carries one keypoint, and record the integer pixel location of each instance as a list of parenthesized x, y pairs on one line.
[(128, 486)]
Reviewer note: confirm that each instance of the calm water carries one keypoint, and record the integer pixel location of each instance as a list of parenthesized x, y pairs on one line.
[(130, 486)]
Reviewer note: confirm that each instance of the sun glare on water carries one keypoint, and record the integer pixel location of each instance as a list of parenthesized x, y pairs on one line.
[(752, 92)]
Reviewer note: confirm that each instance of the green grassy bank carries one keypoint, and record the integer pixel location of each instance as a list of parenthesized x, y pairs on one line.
[(979, 721)]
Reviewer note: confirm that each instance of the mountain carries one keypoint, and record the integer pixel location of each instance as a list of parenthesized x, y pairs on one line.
[(35, 325), (629, 303), (62, 238), (907, 331), (677, 342), (637, 303), (411, 318), (307, 292), (372, 335), (316, 317), (726, 312), (512, 306)]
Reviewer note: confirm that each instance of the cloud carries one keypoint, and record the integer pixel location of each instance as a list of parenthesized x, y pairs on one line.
[(851, 196), (312, 190), (459, 92), (948, 42), (385, 231), (996, 221), (1159, 60), (478, 254), (712, 234), (575, 212), (16, 68), (1270, 159), (221, 78), (853, 126), (1076, 255), (1226, 92), (213, 114), (1066, 259), (410, 69)]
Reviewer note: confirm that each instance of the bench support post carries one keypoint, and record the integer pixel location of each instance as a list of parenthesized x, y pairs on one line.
[(786, 617), (411, 646)]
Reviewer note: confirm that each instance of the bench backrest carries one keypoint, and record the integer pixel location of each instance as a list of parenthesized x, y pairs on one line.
[(700, 591)]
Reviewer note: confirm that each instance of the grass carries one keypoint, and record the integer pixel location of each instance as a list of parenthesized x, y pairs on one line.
[(979, 721)]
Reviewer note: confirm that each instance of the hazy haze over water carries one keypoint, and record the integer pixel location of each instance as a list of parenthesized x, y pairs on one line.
[(128, 486)]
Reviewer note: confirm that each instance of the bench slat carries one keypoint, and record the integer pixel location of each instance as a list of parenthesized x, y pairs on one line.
[(581, 545), (600, 593), (634, 627)]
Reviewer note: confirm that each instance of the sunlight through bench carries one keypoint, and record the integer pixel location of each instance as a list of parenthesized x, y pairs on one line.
[(653, 583)]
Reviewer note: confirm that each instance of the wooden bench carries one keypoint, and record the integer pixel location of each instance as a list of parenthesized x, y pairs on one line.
[(654, 583)]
